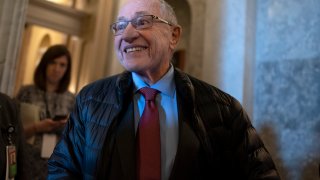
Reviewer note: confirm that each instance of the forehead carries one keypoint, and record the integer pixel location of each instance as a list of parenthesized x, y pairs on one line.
[(138, 7), (61, 59)]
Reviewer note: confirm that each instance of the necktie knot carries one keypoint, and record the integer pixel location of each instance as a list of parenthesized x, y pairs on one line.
[(149, 93)]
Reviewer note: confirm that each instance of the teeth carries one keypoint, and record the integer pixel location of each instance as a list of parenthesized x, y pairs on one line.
[(134, 49)]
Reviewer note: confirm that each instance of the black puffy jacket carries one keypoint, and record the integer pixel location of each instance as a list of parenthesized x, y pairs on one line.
[(216, 137)]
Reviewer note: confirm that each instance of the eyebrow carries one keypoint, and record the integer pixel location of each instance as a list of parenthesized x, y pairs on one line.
[(139, 13)]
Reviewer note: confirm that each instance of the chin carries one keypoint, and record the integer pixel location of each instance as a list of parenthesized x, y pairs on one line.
[(130, 65), (131, 68)]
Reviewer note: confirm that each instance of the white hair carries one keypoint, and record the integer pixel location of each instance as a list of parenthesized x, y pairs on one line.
[(167, 12)]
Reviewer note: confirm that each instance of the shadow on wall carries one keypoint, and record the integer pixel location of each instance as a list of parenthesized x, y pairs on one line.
[(308, 171), (271, 142), (287, 103), (309, 167)]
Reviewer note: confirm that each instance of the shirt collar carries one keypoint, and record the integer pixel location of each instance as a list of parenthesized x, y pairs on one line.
[(165, 84)]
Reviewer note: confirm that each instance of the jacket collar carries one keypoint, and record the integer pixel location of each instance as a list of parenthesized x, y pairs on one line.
[(189, 144), (124, 85), (184, 87)]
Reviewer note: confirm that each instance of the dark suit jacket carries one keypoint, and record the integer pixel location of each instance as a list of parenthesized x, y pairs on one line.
[(216, 138), (10, 117)]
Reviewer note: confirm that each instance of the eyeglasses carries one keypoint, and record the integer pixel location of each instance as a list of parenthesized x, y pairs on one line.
[(140, 22)]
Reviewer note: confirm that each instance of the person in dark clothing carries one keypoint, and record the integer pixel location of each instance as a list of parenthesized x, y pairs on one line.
[(11, 140), (201, 131)]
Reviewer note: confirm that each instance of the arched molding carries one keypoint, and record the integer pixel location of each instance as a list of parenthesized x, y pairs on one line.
[(58, 17)]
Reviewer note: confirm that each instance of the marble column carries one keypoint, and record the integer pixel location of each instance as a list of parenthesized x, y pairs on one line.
[(225, 45), (12, 19), (287, 84), (194, 54)]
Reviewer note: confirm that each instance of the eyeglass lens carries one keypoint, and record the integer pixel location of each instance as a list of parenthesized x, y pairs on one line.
[(140, 22)]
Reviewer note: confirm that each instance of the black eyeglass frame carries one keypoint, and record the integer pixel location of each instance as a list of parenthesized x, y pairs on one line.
[(160, 20)]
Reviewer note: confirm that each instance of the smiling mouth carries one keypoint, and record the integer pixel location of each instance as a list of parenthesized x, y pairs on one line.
[(134, 49)]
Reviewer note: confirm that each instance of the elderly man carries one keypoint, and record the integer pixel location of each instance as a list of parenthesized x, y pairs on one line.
[(154, 121)]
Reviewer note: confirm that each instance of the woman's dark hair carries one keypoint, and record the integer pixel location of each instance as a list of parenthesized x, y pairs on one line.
[(48, 57)]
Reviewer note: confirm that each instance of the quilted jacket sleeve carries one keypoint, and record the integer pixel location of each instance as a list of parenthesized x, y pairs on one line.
[(77, 153), (253, 158), (65, 162), (237, 150)]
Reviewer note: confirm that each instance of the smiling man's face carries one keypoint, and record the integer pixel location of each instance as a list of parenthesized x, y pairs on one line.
[(145, 51)]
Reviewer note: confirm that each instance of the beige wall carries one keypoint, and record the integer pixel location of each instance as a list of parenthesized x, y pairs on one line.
[(35, 49), (90, 50), (97, 60)]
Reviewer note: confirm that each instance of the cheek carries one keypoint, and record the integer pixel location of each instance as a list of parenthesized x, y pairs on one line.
[(162, 40), (64, 69), (117, 44), (49, 69), (117, 48)]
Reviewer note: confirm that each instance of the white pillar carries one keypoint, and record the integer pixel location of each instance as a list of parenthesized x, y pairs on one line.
[(226, 45), (12, 19)]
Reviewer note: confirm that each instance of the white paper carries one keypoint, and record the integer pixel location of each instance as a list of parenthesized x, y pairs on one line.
[(30, 114), (48, 143)]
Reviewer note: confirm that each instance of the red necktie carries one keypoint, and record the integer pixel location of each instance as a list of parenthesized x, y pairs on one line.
[(148, 147)]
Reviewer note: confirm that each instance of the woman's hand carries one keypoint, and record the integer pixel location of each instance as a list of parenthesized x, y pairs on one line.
[(44, 126), (49, 125)]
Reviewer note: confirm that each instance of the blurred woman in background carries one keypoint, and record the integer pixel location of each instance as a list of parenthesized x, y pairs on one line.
[(50, 95)]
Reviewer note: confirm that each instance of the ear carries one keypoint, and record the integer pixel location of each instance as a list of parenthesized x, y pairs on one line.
[(175, 36)]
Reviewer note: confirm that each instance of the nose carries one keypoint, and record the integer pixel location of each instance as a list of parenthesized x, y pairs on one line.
[(130, 33), (57, 67)]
